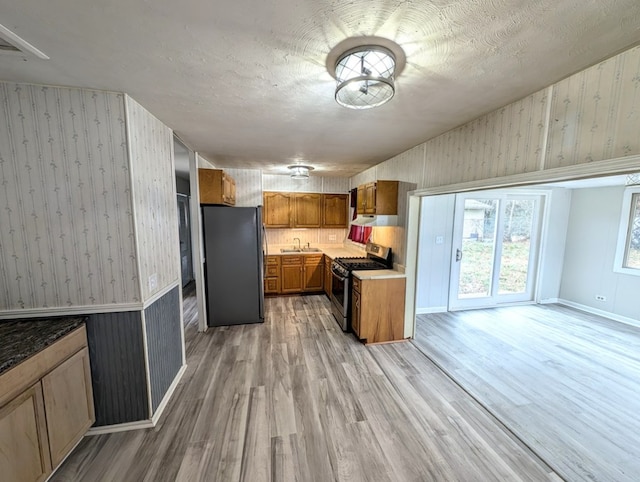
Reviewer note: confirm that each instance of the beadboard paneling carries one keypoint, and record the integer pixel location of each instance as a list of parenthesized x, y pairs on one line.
[(117, 368), (312, 236), (595, 114), (248, 186), (164, 343), (65, 204), (335, 185), (283, 182), (504, 142), (154, 197), (408, 166)]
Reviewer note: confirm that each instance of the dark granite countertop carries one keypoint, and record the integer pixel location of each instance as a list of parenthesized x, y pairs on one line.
[(20, 339)]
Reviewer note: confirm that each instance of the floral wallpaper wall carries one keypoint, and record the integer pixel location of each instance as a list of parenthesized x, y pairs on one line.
[(66, 222), (154, 199)]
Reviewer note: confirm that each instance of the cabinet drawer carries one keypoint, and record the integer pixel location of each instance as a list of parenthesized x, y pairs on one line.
[(313, 259), (356, 284), (273, 270), (288, 260), (273, 260)]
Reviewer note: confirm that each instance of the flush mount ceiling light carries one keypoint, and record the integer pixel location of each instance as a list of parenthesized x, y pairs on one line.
[(365, 77), (299, 171)]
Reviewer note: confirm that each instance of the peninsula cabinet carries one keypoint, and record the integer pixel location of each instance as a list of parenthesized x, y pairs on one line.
[(380, 197), (377, 309), (46, 406), (216, 187), (305, 210)]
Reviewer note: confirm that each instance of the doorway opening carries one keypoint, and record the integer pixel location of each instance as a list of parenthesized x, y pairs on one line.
[(495, 248)]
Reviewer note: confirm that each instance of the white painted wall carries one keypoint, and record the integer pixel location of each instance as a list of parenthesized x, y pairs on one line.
[(588, 262), (434, 260), (552, 247)]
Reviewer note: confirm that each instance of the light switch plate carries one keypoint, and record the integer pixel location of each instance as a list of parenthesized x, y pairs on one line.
[(439, 239), (153, 281)]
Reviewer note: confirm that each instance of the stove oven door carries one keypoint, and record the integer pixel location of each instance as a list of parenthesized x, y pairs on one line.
[(340, 299)]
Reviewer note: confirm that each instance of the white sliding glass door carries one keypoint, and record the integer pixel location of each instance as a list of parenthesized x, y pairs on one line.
[(495, 249)]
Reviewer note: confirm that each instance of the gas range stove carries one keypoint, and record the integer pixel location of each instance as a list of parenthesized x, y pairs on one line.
[(378, 257)]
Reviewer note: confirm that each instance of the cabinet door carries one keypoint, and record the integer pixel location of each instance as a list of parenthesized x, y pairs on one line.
[(277, 210), (272, 286), (291, 280), (307, 212), (68, 402), (334, 210), (229, 190), (370, 198), (355, 312), (361, 199), (313, 273), (24, 448), (210, 186), (327, 275)]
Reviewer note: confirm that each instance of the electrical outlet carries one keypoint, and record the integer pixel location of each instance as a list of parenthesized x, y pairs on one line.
[(439, 239), (332, 237), (153, 281), (601, 298)]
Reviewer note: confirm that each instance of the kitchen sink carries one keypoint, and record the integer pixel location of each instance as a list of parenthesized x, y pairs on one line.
[(300, 250)]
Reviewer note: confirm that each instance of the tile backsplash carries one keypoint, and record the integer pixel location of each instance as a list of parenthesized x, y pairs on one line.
[(311, 236)]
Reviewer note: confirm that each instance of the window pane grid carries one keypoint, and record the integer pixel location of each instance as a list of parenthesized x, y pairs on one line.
[(632, 251)]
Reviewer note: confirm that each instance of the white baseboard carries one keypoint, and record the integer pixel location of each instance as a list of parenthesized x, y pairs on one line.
[(69, 310), (605, 314), (549, 301), (432, 309), (142, 424), (168, 395), (121, 427)]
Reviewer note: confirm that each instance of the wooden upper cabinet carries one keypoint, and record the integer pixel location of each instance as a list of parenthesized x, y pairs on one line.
[(380, 197), (216, 187), (307, 210), (277, 210), (335, 210)]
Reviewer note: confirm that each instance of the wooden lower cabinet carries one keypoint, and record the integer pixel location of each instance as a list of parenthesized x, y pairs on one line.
[(301, 274), (68, 402), (313, 271), (46, 407), (327, 275), (24, 446), (377, 309), (272, 275), (291, 274)]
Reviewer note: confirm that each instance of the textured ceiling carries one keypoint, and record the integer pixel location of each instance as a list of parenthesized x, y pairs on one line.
[(245, 83)]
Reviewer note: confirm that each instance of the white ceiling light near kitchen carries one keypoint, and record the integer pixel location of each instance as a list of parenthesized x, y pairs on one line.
[(365, 77), (299, 171)]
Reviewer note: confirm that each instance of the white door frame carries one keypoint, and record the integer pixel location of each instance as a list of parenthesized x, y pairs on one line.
[(624, 165), (494, 298)]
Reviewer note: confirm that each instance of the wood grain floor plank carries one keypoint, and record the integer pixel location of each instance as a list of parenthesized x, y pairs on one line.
[(566, 382), (296, 399)]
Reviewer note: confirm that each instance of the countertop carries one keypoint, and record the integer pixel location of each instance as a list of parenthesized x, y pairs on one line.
[(20, 339), (333, 251), (378, 274)]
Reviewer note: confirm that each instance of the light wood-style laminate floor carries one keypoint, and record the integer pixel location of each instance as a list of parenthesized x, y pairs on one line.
[(567, 383), (296, 399)]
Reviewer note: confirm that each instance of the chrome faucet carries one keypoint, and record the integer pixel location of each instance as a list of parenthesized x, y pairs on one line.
[(299, 247)]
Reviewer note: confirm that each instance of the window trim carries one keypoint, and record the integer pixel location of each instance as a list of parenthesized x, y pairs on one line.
[(624, 233)]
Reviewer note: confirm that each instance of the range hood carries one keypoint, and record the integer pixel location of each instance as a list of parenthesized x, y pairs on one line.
[(375, 220)]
